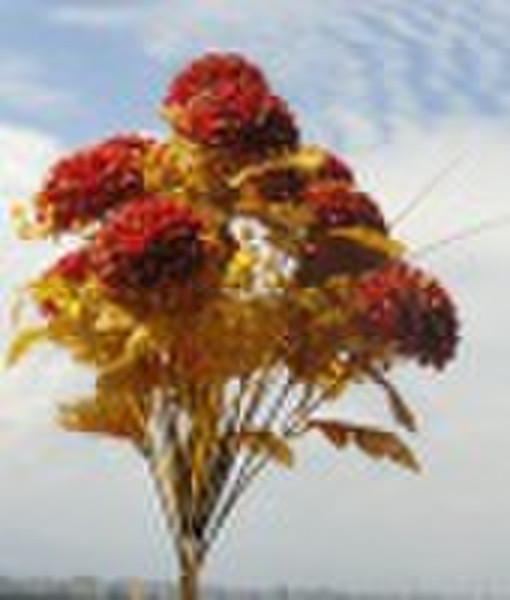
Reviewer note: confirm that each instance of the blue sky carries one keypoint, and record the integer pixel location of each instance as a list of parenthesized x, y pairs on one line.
[(79, 69), (401, 88)]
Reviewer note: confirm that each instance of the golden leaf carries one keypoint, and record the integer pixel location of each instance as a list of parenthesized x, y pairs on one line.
[(265, 442), (335, 432), (112, 318), (384, 444), (24, 342), (123, 352), (402, 414), (240, 272), (308, 159), (334, 378), (118, 416), (371, 239), (374, 442), (129, 378)]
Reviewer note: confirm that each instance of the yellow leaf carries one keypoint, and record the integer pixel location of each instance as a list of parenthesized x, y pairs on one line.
[(334, 378), (266, 442), (139, 342), (24, 342), (240, 271), (112, 318), (383, 444), (374, 442), (371, 239), (133, 350), (335, 432), (117, 416), (308, 160), (402, 414)]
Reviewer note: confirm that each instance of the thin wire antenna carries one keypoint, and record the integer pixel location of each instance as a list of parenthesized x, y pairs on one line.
[(430, 186), (463, 234)]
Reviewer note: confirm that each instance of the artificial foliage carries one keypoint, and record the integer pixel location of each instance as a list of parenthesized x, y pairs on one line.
[(227, 283)]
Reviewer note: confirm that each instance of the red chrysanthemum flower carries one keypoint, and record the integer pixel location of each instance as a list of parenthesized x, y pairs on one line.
[(217, 99), (145, 243), (83, 186), (336, 205), (221, 120), (211, 74), (402, 306)]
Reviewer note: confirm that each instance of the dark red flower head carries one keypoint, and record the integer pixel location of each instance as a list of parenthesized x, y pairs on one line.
[(276, 130), (336, 205), (83, 186), (147, 242), (218, 99), (402, 306), (282, 184)]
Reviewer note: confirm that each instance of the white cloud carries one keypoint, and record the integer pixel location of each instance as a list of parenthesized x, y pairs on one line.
[(26, 154)]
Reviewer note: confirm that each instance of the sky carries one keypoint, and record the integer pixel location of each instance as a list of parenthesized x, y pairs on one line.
[(402, 90)]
